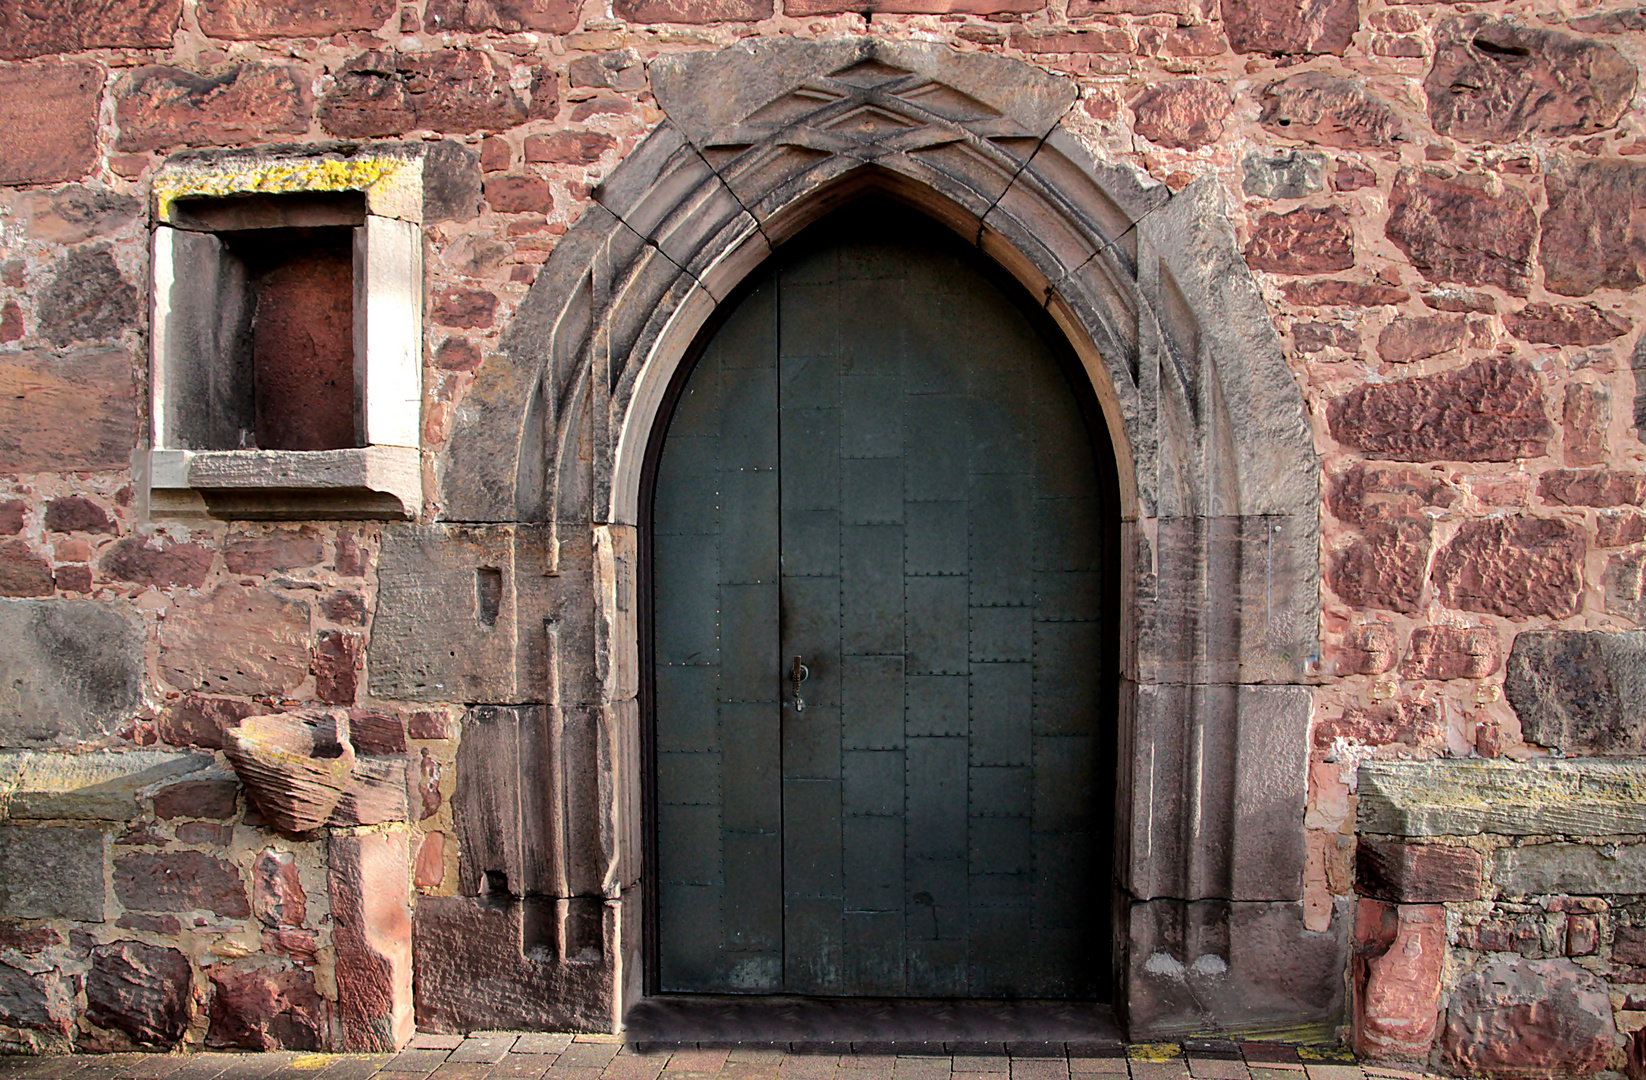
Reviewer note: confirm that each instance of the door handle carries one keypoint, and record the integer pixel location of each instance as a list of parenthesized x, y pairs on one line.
[(798, 673)]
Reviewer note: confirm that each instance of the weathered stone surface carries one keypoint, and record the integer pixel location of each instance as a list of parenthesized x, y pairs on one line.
[(1465, 230), (375, 732), (1305, 241), (516, 195), (1618, 21), (466, 309), (429, 869), (214, 799), (1368, 649), (89, 787), (1592, 487), (348, 608), (451, 182), (23, 572), (295, 766), (1099, 40), (69, 412), (692, 11), (1565, 324), (265, 1010), (32, 29), (1288, 174), (48, 120), (51, 872), (509, 16), (457, 91), (1285, 28), (277, 896), (1513, 567), (88, 298), (1397, 970), (194, 720), (1498, 80), (180, 881), (12, 512), (1637, 364), (1453, 652), (43, 1001), (1421, 337), (71, 670), (261, 553), (1585, 418), (1384, 568), (1328, 292), (1491, 410), (1619, 528), (236, 640), (568, 147), (1575, 869), (1594, 232), (1528, 1019), (1185, 113), (1321, 108), (1624, 585), (146, 991), (1409, 722), (29, 940), (376, 793), (336, 665), (369, 879), (156, 560), (82, 212), (799, 8), (76, 513), (1462, 797), (1317, 337), (248, 20), (159, 107), (1417, 873), (1581, 691)]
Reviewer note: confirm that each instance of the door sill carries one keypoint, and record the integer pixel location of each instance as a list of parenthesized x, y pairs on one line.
[(877, 1025)]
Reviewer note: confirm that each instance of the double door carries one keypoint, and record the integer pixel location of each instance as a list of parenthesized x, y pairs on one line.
[(881, 651)]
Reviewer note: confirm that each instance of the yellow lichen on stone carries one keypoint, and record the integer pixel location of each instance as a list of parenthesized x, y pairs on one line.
[(273, 178)]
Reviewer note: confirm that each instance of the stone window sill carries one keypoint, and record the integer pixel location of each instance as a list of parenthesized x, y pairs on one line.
[(368, 482)]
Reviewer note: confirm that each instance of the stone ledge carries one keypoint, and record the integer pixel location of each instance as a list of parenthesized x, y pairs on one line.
[(88, 787), (365, 482), (1542, 797)]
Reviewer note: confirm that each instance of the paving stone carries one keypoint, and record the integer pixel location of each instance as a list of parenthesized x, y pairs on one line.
[(582, 1055), (541, 1043), (1218, 1069), (414, 1060), (527, 1067), (462, 1070), (428, 1041), (1160, 1070)]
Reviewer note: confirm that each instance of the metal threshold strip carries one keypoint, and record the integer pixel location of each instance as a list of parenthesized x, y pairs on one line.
[(893, 1025)]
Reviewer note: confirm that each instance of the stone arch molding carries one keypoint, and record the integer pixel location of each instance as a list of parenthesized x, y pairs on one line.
[(1219, 477)]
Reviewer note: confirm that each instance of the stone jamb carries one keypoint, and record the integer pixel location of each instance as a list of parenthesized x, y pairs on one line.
[(1219, 488)]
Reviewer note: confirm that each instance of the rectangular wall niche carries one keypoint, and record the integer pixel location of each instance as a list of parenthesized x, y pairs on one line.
[(287, 345)]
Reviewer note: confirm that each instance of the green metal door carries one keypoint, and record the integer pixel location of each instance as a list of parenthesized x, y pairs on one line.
[(878, 477)]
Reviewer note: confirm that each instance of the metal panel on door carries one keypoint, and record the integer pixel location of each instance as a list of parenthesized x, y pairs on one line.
[(931, 824)]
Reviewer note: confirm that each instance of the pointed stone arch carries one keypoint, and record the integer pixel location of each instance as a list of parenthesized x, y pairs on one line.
[(1219, 478)]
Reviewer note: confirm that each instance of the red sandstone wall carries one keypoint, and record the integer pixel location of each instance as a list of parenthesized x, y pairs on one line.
[(1441, 208)]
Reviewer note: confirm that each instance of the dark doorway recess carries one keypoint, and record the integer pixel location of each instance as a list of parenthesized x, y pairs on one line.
[(882, 471)]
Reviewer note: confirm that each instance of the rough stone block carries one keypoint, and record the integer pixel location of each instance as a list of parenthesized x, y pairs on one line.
[(456, 90), (1514, 567), (1411, 722), (265, 1010), (236, 640), (1583, 692), (266, 551), (1491, 410), (1566, 324), (90, 787), (180, 881), (369, 880), (48, 120), (1592, 487), (1417, 873), (159, 107), (1319, 107), (71, 412), (75, 669), (508, 16), (1384, 567), (23, 572), (249, 20), (39, 1000), (1575, 869), (146, 991), (1453, 652), (1304, 241), (1531, 1018), (1462, 797), (1593, 235), (1182, 113), (75, 513), (49, 872), (277, 896), (1624, 583), (504, 807), (1287, 174), (214, 799), (1585, 420), (1461, 230), (88, 299), (1498, 80), (28, 29), (1285, 28)]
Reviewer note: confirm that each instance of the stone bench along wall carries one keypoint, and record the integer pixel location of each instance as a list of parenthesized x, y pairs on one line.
[(1441, 202)]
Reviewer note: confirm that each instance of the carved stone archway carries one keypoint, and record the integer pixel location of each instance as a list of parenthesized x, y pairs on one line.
[(1220, 503)]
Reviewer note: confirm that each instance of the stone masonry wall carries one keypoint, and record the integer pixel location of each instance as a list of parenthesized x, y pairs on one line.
[(1446, 205)]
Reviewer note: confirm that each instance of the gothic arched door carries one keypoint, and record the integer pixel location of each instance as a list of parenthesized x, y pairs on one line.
[(879, 477)]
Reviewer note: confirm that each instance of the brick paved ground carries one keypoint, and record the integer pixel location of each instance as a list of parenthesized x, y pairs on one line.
[(503, 1056)]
